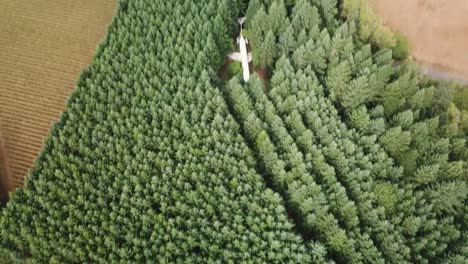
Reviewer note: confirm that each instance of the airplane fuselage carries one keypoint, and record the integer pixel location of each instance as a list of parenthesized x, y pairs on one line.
[(244, 57)]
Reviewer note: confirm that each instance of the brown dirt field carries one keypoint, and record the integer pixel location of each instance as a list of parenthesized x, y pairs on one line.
[(44, 45), (437, 30), (4, 172)]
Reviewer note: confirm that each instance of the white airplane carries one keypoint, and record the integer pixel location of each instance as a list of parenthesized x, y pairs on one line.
[(243, 56)]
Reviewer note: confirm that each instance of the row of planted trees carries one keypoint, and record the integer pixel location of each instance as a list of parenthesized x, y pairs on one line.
[(391, 155), (147, 164), (154, 161)]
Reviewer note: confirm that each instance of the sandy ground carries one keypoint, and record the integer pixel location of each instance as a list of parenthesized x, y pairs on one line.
[(437, 30), (44, 45)]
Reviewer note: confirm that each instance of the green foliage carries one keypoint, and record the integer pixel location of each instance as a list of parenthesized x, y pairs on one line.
[(304, 16), (329, 11), (401, 48), (284, 161), (146, 163), (242, 5), (7, 257), (396, 141), (234, 68), (265, 55), (257, 32), (287, 42), (277, 16), (457, 109), (253, 7), (449, 197), (460, 95), (371, 28), (400, 157), (386, 195), (360, 119), (266, 22), (154, 160)]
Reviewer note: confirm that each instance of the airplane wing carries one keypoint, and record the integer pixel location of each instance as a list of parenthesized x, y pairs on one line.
[(249, 56), (235, 56)]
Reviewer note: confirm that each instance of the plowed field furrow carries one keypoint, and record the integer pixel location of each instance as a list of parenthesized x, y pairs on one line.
[(58, 11), (44, 46), (40, 109), (29, 132), (40, 118), (52, 69), (37, 58), (24, 142), (32, 67), (19, 152), (12, 89), (24, 164)]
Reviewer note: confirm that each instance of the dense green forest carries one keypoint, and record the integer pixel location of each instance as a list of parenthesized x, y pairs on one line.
[(386, 132), (146, 163), (337, 154)]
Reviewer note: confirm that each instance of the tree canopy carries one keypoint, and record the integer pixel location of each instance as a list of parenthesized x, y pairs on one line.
[(342, 156)]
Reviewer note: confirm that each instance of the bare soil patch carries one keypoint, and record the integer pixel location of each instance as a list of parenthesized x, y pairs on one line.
[(44, 45), (223, 73), (437, 30)]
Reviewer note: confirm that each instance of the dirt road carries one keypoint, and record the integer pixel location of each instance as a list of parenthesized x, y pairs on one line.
[(436, 73), (437, 31)]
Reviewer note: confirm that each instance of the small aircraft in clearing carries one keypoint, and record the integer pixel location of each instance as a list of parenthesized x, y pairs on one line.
[(243, 56)]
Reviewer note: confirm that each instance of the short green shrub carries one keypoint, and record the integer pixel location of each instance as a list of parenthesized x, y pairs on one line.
[(401, 49), (234, 68), (460, 97)]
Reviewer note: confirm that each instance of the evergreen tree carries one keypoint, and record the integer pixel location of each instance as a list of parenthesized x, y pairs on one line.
[(252, 9), (287, 41), (146, 162), (393, 111), (338, 78), (329, 11), (449, 197), (265, 55), (257, 33), (277, 16), (360, 119), (305, 16), (154, 158), (396, 141)]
